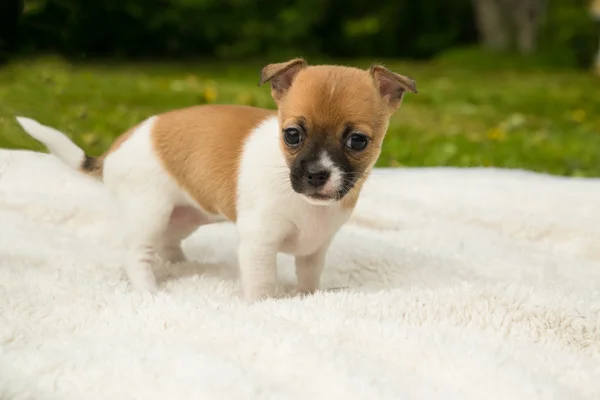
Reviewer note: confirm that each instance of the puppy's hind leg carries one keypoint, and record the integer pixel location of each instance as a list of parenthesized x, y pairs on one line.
[(170, 249), (146, 221), (184, 220)]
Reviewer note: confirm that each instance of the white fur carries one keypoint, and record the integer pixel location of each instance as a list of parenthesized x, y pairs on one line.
[(57, 142), (272, 217), (448, 294), (335, 180)]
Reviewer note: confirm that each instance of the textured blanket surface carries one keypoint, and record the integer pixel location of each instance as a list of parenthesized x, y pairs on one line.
[(446, 284)]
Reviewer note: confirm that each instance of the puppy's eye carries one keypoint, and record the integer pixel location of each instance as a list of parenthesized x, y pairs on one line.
[(292, 137), (357, 142)]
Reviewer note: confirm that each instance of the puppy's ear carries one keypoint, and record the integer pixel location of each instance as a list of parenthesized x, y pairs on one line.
[(392, 86), (281, 76)]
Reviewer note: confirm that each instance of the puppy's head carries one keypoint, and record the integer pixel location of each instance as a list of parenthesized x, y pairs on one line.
[(333, 120)]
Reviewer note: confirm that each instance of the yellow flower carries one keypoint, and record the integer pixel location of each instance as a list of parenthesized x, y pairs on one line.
[(210, 94), (496, 134), (578, 116)]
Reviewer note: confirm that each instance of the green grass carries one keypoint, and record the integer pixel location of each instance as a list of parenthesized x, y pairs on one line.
[(529, 118)]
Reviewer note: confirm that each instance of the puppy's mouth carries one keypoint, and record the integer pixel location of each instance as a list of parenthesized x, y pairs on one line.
[(319, 196), (321, 199), (330, 192)]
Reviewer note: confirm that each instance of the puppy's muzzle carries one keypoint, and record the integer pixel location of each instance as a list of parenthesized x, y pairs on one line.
[(316, 180), (316, 176)]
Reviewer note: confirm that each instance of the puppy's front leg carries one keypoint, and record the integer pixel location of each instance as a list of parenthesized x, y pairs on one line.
[(309, 269), (258, 267), (260, 236)]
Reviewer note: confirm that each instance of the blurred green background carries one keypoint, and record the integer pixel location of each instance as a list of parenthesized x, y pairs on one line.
[(504, 83)]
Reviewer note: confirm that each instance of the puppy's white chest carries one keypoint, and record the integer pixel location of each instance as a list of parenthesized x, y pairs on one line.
[(313, 227)]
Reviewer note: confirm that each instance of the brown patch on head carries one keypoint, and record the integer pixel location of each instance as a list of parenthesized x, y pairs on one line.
[(331, 101), (337, 115)]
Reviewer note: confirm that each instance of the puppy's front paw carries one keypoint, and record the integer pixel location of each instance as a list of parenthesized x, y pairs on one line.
[(253, 294), (307, 290), (142, 280), (307, 283)]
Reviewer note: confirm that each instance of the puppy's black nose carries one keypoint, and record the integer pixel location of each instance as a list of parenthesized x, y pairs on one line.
[(317, 178)]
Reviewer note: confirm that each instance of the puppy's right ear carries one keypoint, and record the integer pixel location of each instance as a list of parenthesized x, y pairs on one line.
[(281, 76)]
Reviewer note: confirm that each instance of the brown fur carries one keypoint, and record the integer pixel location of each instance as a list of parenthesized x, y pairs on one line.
[(201, 147)]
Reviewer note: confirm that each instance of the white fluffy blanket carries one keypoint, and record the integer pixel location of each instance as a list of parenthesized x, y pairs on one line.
[(447, 284)]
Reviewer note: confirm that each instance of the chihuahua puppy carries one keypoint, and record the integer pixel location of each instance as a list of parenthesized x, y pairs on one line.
[(289, 179)]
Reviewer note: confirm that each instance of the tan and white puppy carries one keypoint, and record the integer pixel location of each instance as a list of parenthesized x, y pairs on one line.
[(289, 178)]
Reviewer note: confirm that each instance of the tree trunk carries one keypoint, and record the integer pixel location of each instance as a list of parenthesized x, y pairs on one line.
[(491, 23), (595, 9), (502, 23), (527, 16)]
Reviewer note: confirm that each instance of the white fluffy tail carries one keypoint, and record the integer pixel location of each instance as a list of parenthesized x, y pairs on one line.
[(56, 142)]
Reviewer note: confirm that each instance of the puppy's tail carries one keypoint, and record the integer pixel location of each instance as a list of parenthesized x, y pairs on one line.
[(62, 147)]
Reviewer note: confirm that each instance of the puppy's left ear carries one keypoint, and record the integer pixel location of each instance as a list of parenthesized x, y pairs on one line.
[(281, 76), (392, 86)]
